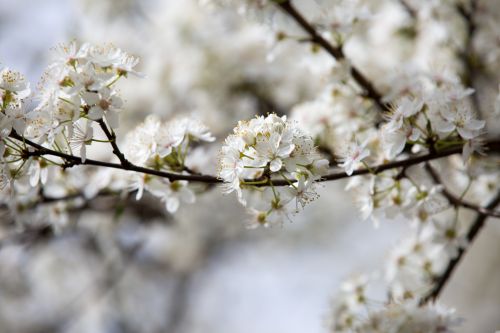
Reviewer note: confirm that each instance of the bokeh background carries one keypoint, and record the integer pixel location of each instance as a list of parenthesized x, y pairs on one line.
[(201, 270)]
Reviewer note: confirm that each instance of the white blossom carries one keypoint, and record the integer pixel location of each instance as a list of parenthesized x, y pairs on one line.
[(353, 154), (103, 104), (264, 147), (405, 109), (13, 82), (460, 119), (81, 138)]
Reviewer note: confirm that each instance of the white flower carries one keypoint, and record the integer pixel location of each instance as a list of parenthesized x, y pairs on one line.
[(450, 237), (304, 154), (126, 65), (273, 149), (429, 199), (264, 147), (87, 78), (168, 137), (471, 146), (461, 119), (303, 191), (280, 209), (60, 106), (343, 15), (314, 116), (405, 109), (320, 167), (104, 55), (141, 142), (257, 218), (354, 291), (195, 129), (353, 154), (410, 317), (395, 140), (103, 103), (68, 54), (13, 82), (16, 117), (42, 126), (158, 144), (231, 164), (81, 138), (172, 193)]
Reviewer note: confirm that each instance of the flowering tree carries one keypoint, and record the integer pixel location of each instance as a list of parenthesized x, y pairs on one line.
[(413, 142)]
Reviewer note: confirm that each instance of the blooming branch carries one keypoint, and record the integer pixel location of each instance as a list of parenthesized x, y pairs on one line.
[(474, 230), (336, 51)]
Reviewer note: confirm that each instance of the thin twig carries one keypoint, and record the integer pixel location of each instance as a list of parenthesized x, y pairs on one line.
[(71, 160), (369, 89), (412, 12), (112, 140), (456, 201), (477, 225)]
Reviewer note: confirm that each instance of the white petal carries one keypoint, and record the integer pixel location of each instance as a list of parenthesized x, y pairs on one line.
[(95, 113), (172, 204), (276, 165), (90, 98), (140, 192), (83, 152), (466, 133), (44, 173), (34, 174), (475, 124)]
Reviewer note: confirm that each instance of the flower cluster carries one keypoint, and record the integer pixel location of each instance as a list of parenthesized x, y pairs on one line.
[(416, 262), (78, 89), (77, 95), (265, 149), (14, 115), (336, 115), (436, 119), (13, 90), (355, 311), (164, 146)]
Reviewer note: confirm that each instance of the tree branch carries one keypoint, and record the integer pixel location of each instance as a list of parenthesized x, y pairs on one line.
[(369, 90), (477, 225), (71, 160), (456, 201), (412, 12), (112, 140)]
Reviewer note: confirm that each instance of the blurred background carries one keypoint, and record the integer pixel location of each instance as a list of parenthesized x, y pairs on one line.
[(201, 271)]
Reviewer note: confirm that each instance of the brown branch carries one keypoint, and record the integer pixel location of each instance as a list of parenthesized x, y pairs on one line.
[(477, 225), (71, 160), (112, 140), (412, 12), (456, 201), (335, 51)]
